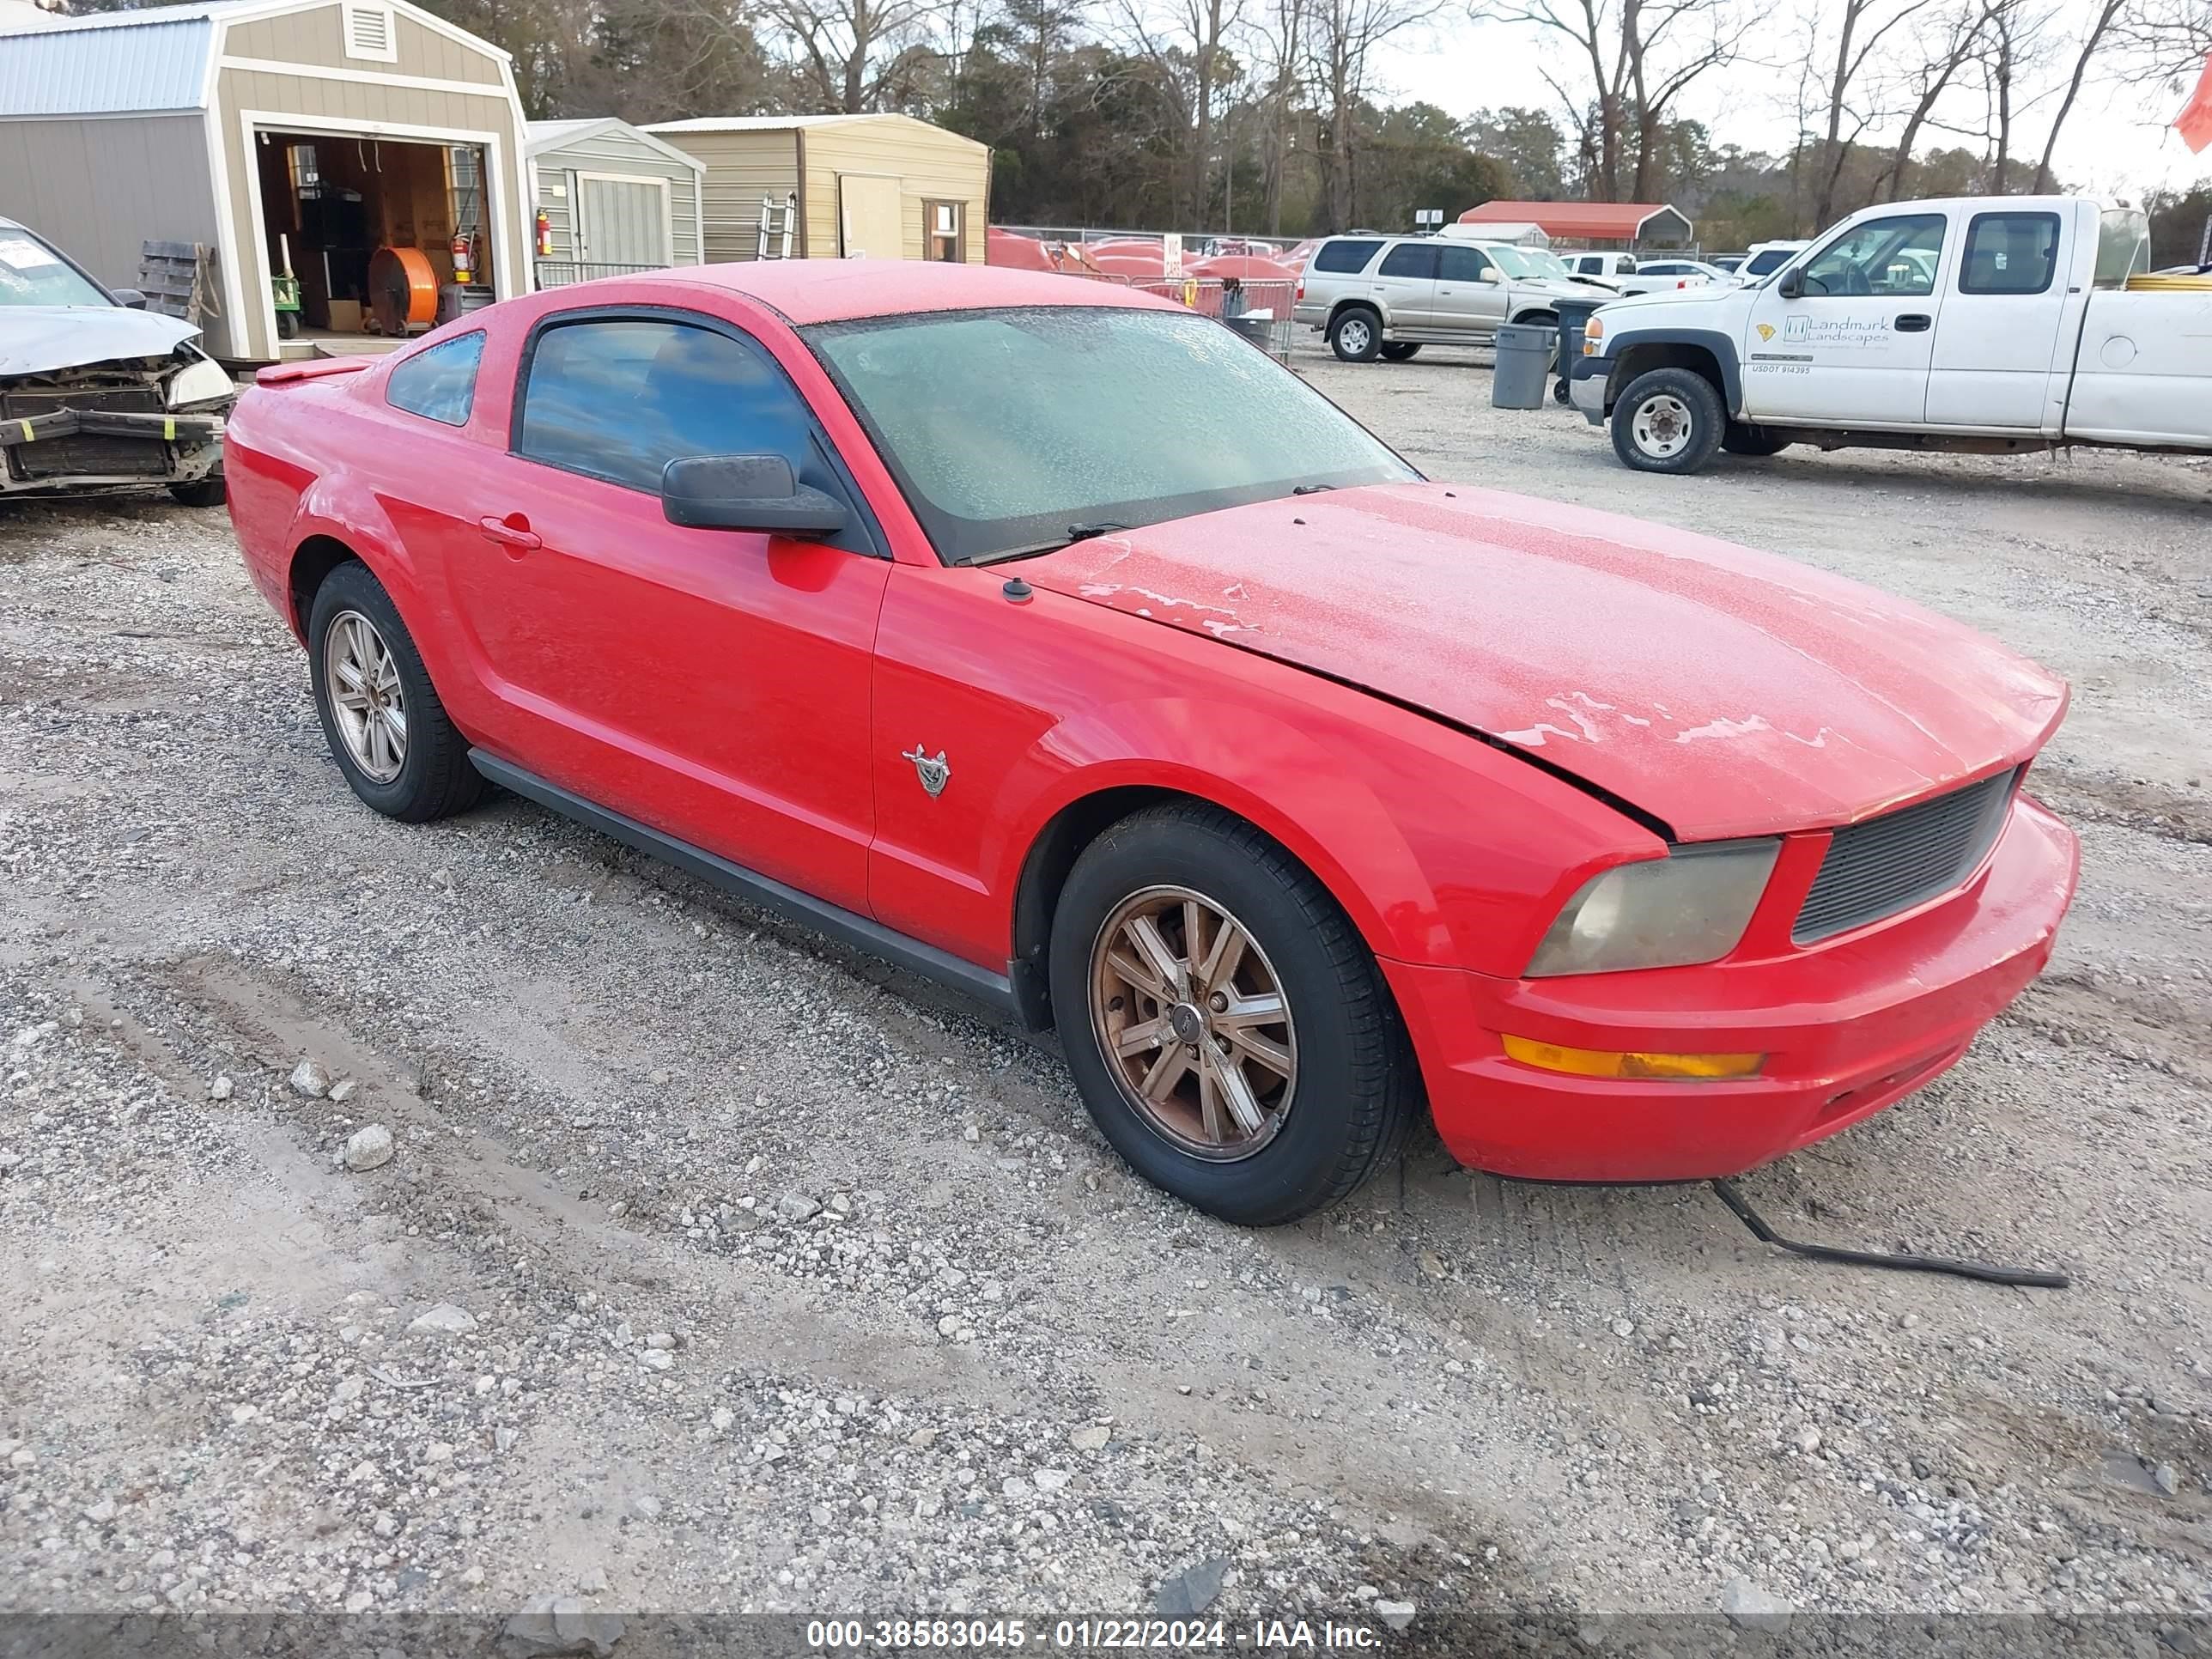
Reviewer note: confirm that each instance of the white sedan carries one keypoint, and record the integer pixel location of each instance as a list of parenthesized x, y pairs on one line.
[(1656, 276)]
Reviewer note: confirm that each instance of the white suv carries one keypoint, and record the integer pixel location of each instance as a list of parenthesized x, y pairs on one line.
[(1387, 296)]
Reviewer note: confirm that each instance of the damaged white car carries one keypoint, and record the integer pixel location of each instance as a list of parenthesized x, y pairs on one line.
[(96, 394)]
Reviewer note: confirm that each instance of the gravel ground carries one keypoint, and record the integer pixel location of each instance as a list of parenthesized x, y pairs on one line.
[(711, 1267)]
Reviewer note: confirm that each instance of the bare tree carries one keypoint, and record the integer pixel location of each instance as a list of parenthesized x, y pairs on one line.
[(1853, 93), (1633, 59), (2013, 39), (848, 54), (1944, 51), (1183, 41), (1341, 38), (2099, 31), (1281, 36)]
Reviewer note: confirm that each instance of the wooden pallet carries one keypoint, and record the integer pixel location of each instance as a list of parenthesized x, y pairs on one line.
[(176, 279)]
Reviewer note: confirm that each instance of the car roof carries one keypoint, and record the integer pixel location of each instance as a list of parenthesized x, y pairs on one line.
[(836, 290)]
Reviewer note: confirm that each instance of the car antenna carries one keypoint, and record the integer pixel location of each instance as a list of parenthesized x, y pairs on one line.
[(1918, 1264)]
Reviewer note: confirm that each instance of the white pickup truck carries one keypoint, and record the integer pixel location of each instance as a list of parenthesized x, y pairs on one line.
[(1991, 324)]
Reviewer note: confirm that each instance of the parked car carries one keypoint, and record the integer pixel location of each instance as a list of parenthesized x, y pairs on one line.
[(1731, 262), (1996, 324), (1389, 296), (95, 392), (1767, 257), (1665, 276), (1043, 638)]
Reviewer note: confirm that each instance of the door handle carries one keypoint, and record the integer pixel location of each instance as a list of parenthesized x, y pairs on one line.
[(519, 538), (1915, 322)]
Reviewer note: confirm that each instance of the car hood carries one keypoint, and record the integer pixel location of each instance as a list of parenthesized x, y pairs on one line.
[(1724, 691), (39, 340)]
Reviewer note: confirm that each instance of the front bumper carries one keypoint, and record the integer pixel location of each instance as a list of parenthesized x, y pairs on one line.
[(154, 448), (1586, 384), (1847, 1027)]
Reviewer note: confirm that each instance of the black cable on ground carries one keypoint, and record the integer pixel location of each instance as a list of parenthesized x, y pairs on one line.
[(1916, 1264)]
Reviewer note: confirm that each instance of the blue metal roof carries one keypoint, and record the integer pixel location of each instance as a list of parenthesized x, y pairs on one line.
[(130, 61)]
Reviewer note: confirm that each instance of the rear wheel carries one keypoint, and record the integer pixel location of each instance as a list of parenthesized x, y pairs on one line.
[(1356, 336), (1398, 351), (380, 714), (1741, 440), (1669, 420), (1228, 1030)]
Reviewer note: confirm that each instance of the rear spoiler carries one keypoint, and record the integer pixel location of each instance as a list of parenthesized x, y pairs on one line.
[(287, 373)]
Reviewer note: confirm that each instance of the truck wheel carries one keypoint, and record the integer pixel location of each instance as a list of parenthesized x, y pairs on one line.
[(1741, 440), (1356, 335), (1668, 421), (1397, 351), (1225, 1025)]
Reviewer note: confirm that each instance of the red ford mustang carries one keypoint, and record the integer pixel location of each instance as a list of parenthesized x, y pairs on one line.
[(1048, 639)]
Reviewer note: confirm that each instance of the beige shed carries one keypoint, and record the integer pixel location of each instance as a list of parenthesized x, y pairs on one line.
[(834, 186), (322, 130)]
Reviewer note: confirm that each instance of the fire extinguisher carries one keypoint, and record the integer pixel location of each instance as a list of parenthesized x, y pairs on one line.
[(544, 235), (464, 258)]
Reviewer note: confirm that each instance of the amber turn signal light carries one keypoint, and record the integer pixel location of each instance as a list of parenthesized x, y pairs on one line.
[(1600, 1062)]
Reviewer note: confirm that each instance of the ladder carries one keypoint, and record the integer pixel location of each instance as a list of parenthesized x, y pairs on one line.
[(779, 222)]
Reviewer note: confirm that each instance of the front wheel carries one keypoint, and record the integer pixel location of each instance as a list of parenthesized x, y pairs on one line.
[(1669, 420), (1225, 1025), (1356, 337), (1399, 351)]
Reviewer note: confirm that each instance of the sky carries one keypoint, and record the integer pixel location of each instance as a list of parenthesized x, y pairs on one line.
[(2117, 140)]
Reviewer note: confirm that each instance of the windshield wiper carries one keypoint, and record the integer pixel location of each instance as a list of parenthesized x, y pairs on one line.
[(1311, 490), (1084, 532)]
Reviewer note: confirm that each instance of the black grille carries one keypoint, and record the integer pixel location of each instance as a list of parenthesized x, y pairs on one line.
[(1891, 863)]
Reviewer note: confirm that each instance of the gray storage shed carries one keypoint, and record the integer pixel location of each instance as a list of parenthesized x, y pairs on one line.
[(613, 199), (343, 126)]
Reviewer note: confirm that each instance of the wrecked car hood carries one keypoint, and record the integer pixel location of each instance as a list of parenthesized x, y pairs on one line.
[(1725, 691), (39, 340)]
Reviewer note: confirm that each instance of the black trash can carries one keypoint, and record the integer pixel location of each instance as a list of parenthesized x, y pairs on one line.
[(1573, 313)]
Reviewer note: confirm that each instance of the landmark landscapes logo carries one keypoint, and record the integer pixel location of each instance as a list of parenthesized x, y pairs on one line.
[(1835, 331)]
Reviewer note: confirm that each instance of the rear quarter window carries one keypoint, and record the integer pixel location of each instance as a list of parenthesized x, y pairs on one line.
[(440, 383), (1344, 257)]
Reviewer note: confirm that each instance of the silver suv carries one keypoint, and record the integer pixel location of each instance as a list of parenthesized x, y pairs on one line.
[(1387, 296)]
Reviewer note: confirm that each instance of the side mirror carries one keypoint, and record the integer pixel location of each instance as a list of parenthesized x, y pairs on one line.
[(129, 298), (746, 492), (1490, 274), (1792, 284)]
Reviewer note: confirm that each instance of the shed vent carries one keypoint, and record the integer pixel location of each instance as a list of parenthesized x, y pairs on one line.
[(369, 34)]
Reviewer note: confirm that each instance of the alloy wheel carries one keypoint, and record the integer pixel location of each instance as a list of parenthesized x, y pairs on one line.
[(367, 703), (1193, 1023), (1353, 336)]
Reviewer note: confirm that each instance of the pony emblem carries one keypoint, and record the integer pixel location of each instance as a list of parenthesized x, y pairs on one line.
[(930, 768)]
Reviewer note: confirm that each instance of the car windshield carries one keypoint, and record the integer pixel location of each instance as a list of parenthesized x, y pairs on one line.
[(1542, 262), (1514, 261), (1016, 430), (32, 274)]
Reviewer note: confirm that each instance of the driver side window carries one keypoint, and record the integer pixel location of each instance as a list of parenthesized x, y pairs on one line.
[(1894, 257)]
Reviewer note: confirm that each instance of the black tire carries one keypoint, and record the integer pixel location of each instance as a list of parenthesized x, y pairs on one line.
[(1356, 1087), (1741, 440), (1399, 351), (201, 492), (288, 324), (1684, 421), (434, 779), (1561, 392), (1366, 329)]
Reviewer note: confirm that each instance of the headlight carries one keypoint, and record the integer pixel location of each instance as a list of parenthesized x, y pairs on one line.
[(201, 382), (1691, 906), (1594, 337)]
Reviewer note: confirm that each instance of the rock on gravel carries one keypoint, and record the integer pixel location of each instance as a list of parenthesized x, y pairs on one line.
[(1091, 1438), (1749, 1607), (1191, 1592), (369, 1148), (555, 1624), (220, 1088), (310, 1080), (445, 1320), (797, 1207), (1396, 1615)]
